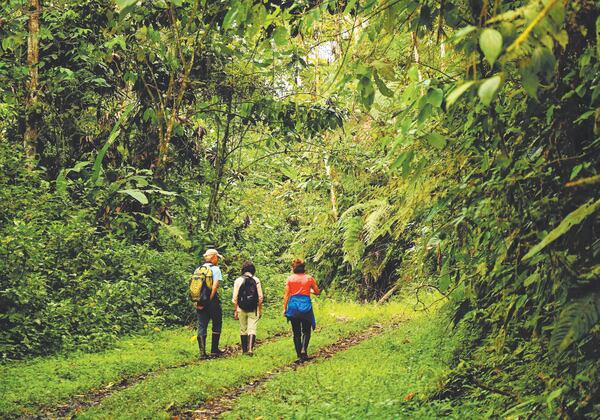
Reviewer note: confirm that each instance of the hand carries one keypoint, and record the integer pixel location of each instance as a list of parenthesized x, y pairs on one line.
[(235, 315), (258, 314), (284, 312), (199, 307)]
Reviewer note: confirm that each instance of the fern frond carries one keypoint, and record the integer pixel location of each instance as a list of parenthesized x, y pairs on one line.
[(575, 322), (354, 246), (375, 222)]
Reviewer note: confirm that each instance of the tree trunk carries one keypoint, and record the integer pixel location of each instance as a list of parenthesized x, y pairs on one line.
[(332, 194), (220, 160), (33, 55)]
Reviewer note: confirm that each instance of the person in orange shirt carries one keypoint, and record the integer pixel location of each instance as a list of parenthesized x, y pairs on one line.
[(297, 306)]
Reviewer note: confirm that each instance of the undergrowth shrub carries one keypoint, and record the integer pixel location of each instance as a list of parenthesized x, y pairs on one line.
[(66, 283)]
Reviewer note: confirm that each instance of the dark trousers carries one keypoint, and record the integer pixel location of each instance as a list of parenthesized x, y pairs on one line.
[(301, 329), (211, 312)]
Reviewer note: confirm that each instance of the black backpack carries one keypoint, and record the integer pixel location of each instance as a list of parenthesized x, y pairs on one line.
[(248, 295)]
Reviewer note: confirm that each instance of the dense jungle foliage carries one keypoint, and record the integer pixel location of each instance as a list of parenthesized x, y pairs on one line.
[(397, 145)]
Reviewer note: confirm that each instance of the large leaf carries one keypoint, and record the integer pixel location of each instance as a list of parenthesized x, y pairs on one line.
[(381, 86), (230, 16), (137, 194), (435, 96), (575, 322), (457, 92), (111, 139), (366, 90), (488, 89), (436, 140), (490, 42), (574, 218), (281, 36)]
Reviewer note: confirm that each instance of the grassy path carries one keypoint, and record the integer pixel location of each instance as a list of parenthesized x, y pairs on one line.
[(147, 376), (190, 386), (52, 385), (388, 376), (225, 402)]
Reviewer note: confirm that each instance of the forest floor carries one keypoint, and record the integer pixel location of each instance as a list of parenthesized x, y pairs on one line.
[(367, 360)]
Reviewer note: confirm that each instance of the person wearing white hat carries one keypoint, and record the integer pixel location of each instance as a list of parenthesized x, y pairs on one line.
[(212, 311)]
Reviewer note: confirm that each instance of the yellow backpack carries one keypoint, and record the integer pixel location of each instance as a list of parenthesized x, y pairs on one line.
[(201, 285)]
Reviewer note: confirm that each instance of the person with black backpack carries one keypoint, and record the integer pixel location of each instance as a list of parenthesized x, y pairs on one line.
[(247, 299)]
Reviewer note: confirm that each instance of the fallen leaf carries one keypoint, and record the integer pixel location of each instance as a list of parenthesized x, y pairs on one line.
[(409, 396)]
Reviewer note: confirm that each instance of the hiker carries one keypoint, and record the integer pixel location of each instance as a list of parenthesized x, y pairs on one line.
[(208, 305), (297, 307), (247, 299)]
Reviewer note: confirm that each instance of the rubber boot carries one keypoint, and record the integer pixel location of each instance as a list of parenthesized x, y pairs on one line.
[(251, 341), (214, 345), (244, 341), (304, 349), (298, 346), (202, 346)]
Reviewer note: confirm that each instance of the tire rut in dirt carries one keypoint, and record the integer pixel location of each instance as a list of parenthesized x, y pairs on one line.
[(215, 407), (80, 403)]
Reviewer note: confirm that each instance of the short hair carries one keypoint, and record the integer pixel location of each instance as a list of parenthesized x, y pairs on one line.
[(248, 267), (298, 266)]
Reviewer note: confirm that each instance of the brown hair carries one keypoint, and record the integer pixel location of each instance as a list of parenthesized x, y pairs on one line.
[(298, 266), (248, 267)]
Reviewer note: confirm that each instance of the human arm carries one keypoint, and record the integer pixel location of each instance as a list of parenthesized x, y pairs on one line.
[(217, 277), (234, 299), (314, 288), (286, 297), (260, 297)]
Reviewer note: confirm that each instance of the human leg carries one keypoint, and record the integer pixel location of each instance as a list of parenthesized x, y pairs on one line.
[(216, 315), (243, 316), (202, 318), (297, 331), (252, 318), (306, 331)]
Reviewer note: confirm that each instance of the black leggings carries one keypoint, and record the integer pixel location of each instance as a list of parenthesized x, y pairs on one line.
[(302, 330)]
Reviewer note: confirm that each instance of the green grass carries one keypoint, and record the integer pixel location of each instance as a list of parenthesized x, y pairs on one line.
[(370, 380), (193, 384), (25, 387)]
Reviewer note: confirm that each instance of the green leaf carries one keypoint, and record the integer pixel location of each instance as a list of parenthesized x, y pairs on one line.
[(231, 15), (402, 157), (533, 278), (137, 194), (457, 93), (530, 82), (61, 182), (384, 69), (462, 32), (367, 92), (281, 36), (125, 4), (490, 42), (436, 140), (572, 219), (488, 89), (111, 139), (381, 86), (598, 36), (435, 96), (149, 114), (575, 322)]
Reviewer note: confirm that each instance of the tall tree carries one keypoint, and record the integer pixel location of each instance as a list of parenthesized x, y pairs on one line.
[(33, 57)]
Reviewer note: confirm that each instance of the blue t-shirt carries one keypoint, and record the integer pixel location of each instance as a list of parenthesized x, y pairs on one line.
[(217, 276), (216, 272)]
